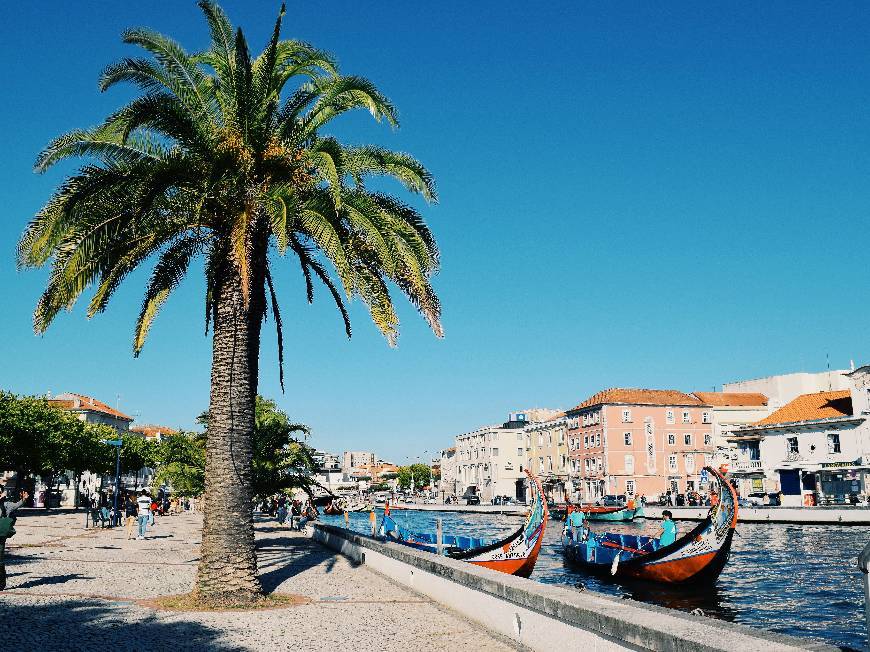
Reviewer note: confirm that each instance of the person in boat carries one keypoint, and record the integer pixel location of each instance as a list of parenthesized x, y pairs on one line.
[(668, 534), (714, 499), (631, 504), (575, 520)]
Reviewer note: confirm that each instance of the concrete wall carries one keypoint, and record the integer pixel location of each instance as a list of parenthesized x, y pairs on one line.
[(547, 617)]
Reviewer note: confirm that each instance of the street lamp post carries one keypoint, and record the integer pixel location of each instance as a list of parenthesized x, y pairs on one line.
[(117, 443)]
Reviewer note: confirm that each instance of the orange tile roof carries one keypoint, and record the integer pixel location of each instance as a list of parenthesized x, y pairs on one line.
[(85, 404), (150, 430), (809, 407), (722, 399), (639, 397)]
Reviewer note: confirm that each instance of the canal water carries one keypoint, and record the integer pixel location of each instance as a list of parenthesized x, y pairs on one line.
[(800, 580)]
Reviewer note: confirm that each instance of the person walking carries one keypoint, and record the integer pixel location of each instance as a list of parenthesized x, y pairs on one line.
[(7, 509), (144, 507), (131, 512)]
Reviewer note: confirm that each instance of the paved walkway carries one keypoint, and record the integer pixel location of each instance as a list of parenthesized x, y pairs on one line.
[(76, 589)]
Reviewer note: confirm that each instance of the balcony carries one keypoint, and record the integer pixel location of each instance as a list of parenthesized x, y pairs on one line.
[(748, 465)]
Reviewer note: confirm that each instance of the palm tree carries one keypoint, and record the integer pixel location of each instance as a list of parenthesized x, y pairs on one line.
[(225, 156)]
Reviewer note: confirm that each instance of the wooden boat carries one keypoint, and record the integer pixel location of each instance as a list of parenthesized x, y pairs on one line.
[(698, 556), (612, 513), (334, 508), (515, 554)]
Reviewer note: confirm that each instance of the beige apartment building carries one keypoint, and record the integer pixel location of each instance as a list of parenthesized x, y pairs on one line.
[(547, 453)]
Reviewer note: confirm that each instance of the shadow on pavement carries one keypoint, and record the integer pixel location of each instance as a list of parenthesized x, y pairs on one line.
[(97, 625), (281, 558), (54, 579)]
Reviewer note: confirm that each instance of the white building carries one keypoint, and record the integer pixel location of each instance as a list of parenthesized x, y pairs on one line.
[(491, 460), (729, 411), (448, 482), (353, 460), (784, 388), (814, 449)]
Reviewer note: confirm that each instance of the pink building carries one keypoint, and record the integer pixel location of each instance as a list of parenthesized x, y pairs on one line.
[(639, 441)]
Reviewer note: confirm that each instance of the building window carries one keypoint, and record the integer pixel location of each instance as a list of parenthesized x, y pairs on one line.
[(627, 437), (792, 445), (690, 464), (549, 439), (629, 487), (519, 452), (669, 416), (672, 463), (687, 439), (495, 452), (597, 417), (708, 438), (561, 436), (672, 439), (598, 439), (686, 417), (519, 436), (706, 417), (708, 459), (626, 416), (586, 441), (540, 439), (834, 443), (549, 463), (629, 464), (600, 464)]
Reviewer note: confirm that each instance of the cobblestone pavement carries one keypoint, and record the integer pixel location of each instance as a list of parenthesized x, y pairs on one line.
[(76, 589)]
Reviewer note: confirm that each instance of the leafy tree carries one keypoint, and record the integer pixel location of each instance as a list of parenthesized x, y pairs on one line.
[(136, 453), (180, 463), (420, 473), (89, 452), (225, 156)]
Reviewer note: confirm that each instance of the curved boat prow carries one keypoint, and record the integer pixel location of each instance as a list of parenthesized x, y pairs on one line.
[(698, 556)]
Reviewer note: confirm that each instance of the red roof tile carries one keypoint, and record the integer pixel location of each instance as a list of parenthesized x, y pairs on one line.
[(809, 407), (80, 402), (722, 399), (150, 430), (639, 397)]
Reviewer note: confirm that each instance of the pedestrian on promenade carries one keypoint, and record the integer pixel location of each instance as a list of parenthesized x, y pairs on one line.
[(7, 509), (131, 511), (144, 505), (152, 511)]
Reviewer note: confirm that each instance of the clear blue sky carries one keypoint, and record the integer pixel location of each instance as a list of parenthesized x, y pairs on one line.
[(672, 197)]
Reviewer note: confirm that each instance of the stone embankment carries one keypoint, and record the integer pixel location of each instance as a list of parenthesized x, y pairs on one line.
[(548, 617)]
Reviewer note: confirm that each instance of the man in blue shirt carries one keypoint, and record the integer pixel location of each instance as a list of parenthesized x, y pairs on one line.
[(575, 521), (668, 533)]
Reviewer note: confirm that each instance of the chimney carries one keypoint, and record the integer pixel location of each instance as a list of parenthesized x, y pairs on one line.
[(90, 400), (77, 403)]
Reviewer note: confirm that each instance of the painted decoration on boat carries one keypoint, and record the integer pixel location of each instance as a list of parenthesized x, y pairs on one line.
[(515, 554), (698, 556)]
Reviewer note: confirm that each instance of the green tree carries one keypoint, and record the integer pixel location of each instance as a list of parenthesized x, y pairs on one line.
[(420, 473), (225, 156), (180, 463), (89, 452), (136, 453)]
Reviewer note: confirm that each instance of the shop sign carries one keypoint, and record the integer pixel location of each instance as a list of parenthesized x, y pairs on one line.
[(840, 465)]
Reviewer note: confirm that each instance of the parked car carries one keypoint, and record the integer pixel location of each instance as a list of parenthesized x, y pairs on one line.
[(612, 501), (472, 500), (756, 499), (429, 501)]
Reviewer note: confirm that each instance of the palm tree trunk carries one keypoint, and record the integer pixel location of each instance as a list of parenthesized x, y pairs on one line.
[(227, 570)]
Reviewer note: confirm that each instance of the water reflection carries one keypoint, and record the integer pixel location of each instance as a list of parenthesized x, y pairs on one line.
[(798, 580)]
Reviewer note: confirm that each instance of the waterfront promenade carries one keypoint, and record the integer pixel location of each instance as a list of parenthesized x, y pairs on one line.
[(76, 589)]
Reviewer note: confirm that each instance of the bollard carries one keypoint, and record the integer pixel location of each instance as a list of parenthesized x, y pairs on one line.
[(864, 567), (439, 536)]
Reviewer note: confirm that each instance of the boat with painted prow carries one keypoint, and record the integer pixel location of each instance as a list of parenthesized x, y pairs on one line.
[(698, 556), (515, 554)]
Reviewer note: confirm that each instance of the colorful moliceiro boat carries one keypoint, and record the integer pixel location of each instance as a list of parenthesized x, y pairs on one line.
[(698, 556), (627, 513), (515, 554)]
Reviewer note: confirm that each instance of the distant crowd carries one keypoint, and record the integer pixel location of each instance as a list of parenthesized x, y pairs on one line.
[(294, 514)]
